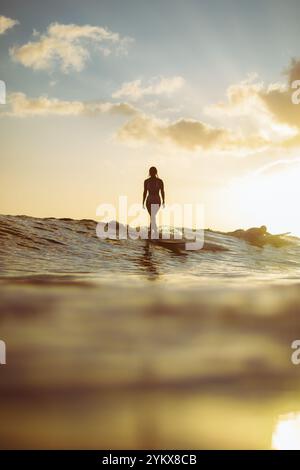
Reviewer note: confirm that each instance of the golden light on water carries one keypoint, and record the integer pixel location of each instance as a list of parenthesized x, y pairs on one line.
[(286, 435)]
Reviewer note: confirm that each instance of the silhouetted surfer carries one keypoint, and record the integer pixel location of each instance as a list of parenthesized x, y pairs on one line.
[(154, 192), (252, 235), (259, 236)]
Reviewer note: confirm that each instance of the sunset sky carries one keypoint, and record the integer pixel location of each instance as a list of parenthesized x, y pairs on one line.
[(98, 91)]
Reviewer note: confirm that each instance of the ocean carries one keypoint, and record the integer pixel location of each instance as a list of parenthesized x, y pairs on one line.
[(126, 344)]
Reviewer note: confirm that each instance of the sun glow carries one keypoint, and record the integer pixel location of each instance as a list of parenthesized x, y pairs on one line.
[(286, 435), (270, 198)]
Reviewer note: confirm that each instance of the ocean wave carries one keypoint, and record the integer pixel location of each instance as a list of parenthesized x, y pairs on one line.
[(34, 246)]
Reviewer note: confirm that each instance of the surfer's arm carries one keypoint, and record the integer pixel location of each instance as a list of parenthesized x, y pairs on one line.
[(145, 193), (162, 190)]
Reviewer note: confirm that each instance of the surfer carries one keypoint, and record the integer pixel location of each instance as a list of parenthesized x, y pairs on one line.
[(259, 236), (153, 196), (252, 235), (256, 234)]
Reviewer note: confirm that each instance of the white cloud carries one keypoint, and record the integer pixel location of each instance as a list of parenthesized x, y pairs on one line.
[(67, 45), (22, 106), (157, 86), (242, 99), (189, 134), (254, 118), (266, 108), (6, 24)]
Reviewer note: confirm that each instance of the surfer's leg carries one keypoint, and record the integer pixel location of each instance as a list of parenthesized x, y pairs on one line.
[(148, 206), (153, 225)]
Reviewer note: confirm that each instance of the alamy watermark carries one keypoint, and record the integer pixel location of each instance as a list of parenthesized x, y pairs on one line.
[(295, 357), (296, 94), (183, 223), (2, 352), (2, 92)]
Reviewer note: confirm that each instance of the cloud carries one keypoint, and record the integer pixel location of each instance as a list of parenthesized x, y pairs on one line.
[(6, 24), (191, 134), (279, 103), (272, 102), (188, 134), (293, 70), (268, 108), (157, 86), (67, 45), (22, 106), (242, 99), (254, 117), (276, 165)]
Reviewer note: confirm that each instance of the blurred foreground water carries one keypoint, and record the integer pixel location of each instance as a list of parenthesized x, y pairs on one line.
[(118, 344)]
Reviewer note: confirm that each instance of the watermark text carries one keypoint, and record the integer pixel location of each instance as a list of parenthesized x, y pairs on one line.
[(2, 352)]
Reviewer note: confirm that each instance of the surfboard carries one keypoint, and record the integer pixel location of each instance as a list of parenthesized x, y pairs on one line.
[(180, 244), (276, 241), (171, 244)]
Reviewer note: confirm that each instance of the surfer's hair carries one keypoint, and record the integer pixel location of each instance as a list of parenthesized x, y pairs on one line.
[(153, 171)]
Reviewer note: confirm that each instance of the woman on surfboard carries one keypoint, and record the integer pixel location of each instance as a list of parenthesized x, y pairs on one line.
[(153, 195)]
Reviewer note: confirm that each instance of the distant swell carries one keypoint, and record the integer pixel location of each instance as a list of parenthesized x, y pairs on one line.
[(34, 246)]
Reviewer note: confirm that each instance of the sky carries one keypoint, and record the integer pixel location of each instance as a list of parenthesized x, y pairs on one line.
[(99, 91)]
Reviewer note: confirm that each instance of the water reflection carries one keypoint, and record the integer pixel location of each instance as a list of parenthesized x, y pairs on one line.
[(286, 435), (148, 263)]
